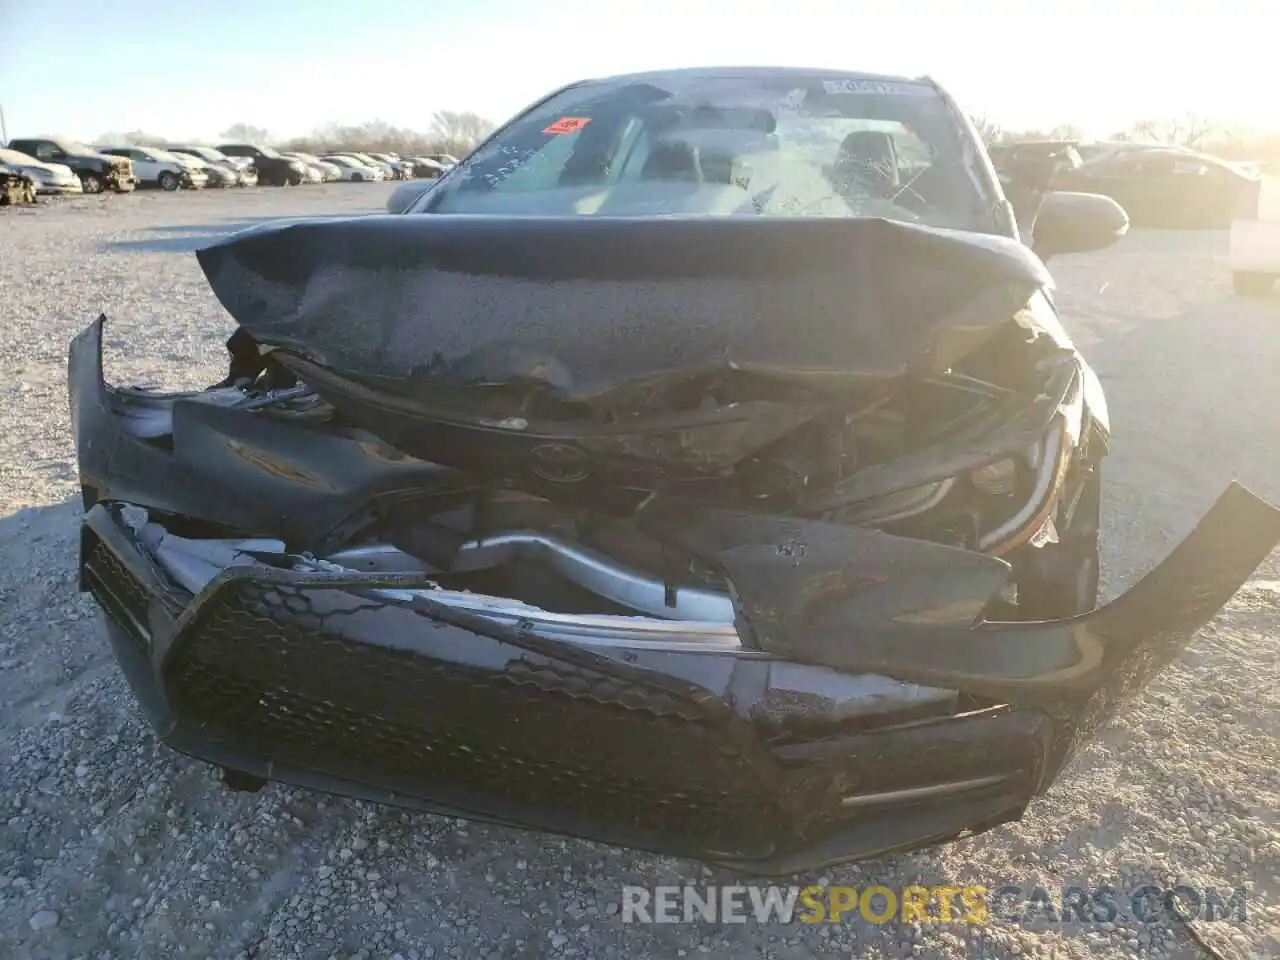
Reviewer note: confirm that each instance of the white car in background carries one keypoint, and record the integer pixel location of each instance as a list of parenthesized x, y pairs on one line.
[(310, 172), (319, 170), (49, 178), (388, 171), (353, 169), (159, 168), (328, 171), (1255, 238), (218, 174), (246, 175), (401, 169)]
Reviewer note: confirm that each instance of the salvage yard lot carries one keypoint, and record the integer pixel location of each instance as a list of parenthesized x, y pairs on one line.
[(113, 845)]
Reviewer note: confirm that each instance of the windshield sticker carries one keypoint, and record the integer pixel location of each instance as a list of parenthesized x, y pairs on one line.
[(567, 125), (887, 87)]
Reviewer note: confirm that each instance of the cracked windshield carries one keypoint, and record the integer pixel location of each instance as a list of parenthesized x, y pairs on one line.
[(793, 147)]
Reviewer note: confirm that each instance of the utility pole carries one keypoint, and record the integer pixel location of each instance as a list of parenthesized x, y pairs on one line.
[(4, 134)]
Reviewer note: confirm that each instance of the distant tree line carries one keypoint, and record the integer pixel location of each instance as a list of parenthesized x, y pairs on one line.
[(455, 133)]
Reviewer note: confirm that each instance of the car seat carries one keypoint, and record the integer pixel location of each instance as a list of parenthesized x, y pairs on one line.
[(672, 160), (867, 162)]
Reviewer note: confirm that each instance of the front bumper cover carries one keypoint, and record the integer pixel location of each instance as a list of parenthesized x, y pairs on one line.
[(60, 187), (307, 678), (311, 679)]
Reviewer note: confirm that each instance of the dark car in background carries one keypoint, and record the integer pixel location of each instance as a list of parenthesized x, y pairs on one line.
[(1061, 153), (702, 465), (274, 168), (97, 172), (1027, 169), (1164, 186), (426, 168)]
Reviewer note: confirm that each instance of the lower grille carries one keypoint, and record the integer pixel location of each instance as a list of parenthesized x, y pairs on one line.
[(266, 668), (116, 590)]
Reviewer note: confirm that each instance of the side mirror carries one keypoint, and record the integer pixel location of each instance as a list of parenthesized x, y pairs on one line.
[(1077, 223), (405, 195)]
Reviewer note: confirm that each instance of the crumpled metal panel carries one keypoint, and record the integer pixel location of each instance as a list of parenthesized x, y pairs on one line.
[(799, 584), (586, 304), (309, 678), (861, 600)]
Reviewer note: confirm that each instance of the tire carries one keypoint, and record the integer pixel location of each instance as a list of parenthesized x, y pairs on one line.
[(1251, 284), (1062, 578), (91, 182), (168, 181), (356, 178)]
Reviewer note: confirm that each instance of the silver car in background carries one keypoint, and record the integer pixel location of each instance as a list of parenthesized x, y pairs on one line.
[(245, 174), (218, 175), (352, 169), (49, 178), (328, 172)]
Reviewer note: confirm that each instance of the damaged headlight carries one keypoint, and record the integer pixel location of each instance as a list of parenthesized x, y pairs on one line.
[(996, 479), (1040, 317), (900, 504)]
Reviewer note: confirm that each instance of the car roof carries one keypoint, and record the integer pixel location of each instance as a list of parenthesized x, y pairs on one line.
[(760, 73), (50, 138)]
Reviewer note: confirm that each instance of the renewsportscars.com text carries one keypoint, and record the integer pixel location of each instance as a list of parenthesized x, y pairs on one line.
[(944, 903)]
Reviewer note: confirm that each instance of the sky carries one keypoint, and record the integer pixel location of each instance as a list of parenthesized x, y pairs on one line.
[(188, 71)]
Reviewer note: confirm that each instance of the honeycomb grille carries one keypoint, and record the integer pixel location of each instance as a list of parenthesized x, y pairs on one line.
[(115, 589), (266, 669)]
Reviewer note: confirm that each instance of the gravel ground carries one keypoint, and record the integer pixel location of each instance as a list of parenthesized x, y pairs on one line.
[(112, 845)]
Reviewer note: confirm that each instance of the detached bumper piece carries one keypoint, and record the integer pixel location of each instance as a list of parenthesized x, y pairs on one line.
[(314, 678), (16, 189), (120, 181)]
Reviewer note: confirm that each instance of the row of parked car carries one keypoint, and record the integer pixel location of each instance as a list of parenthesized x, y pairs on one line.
[(1157, 184), (56, 165)]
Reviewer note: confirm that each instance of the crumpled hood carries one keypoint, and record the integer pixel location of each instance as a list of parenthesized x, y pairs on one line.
[(588, 303)]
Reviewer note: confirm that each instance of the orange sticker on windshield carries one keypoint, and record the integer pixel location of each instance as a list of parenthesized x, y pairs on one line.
[(567, 125)]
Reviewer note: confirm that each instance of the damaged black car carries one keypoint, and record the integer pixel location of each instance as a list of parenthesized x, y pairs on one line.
[(699, 466)]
